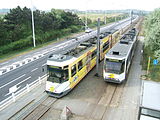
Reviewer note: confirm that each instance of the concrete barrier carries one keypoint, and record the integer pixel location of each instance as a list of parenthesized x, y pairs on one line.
[(66, 113)]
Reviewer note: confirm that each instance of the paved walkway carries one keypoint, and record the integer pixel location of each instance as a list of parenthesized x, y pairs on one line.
[(91, 99), (36, 95)]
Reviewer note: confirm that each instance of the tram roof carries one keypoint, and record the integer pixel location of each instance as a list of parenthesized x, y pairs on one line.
[(69, 56), (60, 60), (122, 48), (119, 50)]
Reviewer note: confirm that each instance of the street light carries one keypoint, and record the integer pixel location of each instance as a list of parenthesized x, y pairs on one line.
[(33, 32), (86, 21), (131, 13), (98, 48), (105, 17)]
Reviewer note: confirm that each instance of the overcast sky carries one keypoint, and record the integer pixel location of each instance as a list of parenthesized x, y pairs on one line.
[(84, 4)]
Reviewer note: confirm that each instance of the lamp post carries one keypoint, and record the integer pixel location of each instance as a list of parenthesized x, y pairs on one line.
[(105, 17), (33, 31), (131, 13), (98, 48), (86, 21)]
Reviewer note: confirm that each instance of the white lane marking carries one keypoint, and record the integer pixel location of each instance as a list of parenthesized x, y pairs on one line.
[(7, 94), (34, 70), (12, 81), (23, 80), (44, 64), (10, 92)]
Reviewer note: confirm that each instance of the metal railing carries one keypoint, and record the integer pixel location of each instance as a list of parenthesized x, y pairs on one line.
[(16, 95)]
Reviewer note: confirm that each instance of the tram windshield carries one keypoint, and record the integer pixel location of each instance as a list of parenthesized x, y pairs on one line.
[(57, 74), (114, 66)]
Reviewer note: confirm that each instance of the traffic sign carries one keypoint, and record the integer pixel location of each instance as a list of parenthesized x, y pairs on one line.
[(13, 89), (155, 62)]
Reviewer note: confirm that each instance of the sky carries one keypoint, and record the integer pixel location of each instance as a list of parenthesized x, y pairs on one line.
[(147, 5)]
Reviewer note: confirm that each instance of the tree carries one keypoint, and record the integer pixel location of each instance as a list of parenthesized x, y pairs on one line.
[(16, 32), (152, 31)]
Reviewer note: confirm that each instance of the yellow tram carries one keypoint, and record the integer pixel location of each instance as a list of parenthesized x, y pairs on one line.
[(67, 70)]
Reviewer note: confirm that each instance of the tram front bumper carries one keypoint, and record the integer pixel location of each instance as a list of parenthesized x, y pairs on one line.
[(113, 80), (58, 95)]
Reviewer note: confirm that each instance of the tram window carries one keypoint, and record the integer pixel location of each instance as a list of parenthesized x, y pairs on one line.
[(127, 63), (73, 70), (105, 46), (114, 66), (80, 65), (94, 54), (122, 67), (57, 75)]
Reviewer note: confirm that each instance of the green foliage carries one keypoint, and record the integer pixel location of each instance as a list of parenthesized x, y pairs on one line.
[(152, 30), (21, 44), (152, 44), (16, 31)]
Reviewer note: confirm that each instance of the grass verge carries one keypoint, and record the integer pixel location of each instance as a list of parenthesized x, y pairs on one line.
[(14, 54), (154, 70)]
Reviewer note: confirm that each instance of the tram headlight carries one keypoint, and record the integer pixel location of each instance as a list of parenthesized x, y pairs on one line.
[(116, 79)]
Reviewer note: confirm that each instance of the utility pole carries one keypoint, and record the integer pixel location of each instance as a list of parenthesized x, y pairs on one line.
[(131, 15), (105, 17), (33, 31), (86, 21), (98, 48)]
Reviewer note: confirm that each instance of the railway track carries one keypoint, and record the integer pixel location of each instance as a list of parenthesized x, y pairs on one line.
[(112, 95), (44, 107), (82, 96), (35, 109), (40, 110)]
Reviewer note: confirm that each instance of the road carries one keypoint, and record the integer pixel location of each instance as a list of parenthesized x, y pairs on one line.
[(30, 72), (93, 99)]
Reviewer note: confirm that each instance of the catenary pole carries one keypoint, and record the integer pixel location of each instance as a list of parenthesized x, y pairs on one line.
[(33, 31), (98, 48)]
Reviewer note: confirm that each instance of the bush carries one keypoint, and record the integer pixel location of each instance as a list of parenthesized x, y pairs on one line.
[(21, 44), (74, 28)]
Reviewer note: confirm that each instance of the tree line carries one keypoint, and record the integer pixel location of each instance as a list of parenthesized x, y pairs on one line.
[(152, 32), (152, 44), (16, 27)]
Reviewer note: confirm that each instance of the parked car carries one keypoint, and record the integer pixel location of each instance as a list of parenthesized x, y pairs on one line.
[(88, 30)]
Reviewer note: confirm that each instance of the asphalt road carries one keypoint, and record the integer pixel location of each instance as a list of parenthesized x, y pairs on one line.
[(30, 72), (91, 99), (25, 74), (95, 99)]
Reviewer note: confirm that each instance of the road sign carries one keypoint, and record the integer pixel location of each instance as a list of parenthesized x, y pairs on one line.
[(13, 89), (155, 62)]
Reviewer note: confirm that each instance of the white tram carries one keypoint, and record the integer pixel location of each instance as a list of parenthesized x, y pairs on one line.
[(118, 60)]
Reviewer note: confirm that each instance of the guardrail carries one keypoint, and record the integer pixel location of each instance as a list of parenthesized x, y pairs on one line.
[(15, 65), (38, 55), (16, 95)]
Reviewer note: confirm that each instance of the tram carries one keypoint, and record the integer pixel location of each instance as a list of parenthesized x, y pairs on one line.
[(118, 59), (67, 70)]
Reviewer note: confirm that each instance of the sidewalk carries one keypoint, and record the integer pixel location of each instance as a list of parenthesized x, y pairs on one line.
[(31, 98), (89, 99)]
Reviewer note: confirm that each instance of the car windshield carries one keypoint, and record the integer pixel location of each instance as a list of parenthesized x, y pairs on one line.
[(113, 66), (57, 74)]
